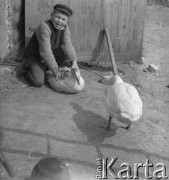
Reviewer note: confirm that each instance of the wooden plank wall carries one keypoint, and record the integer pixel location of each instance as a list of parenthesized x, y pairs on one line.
[(77, 25), (125, 19), (35, 12)]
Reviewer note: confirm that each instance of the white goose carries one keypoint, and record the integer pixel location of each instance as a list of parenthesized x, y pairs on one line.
[(72, 83), (122, 99)]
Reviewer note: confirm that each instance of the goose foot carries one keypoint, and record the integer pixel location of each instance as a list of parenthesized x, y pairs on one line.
[(127, 126), (108, 128)]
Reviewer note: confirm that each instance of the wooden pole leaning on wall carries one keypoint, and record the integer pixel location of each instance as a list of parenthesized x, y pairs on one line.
[(6, 165), (111, 51)]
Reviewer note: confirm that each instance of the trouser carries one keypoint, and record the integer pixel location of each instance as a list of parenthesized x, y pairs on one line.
[(35, 74), (36, 69)]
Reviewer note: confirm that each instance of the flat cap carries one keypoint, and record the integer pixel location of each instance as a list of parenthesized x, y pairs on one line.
[(64, 9)]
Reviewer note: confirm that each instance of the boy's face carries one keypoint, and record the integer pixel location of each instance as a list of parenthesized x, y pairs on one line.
[(59, 19)]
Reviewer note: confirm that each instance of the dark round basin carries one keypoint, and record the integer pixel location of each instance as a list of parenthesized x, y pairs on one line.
[(50, 168)]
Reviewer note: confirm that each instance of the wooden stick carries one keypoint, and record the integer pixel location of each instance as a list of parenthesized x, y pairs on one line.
[(111, 51), (6, 165)]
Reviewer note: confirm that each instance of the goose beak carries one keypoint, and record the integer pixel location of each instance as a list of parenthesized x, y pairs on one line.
[(76, 75), (78, 81)]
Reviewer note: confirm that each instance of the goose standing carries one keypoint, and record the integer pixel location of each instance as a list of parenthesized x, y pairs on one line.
[(122, 100)]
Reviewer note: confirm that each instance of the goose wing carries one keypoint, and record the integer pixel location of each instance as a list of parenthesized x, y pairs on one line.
[(123, 98)]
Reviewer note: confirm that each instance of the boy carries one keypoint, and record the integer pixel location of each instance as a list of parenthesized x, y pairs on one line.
[(50, 47)]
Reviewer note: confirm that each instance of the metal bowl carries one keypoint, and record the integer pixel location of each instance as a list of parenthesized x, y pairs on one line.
[(50, 168)]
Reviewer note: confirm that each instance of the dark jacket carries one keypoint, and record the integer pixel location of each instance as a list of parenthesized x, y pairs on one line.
[(45, 43)]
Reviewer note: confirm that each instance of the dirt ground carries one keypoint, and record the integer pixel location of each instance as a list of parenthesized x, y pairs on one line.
[(37, 122)]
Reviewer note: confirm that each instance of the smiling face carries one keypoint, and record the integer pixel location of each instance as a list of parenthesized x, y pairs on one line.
[(59, 19)]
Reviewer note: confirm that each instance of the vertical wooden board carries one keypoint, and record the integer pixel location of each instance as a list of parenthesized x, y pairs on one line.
[(65, 2), (132, 14), (123, 40), (121, 23), (44, 9), (102, 26), (138, 30), (105, 17), (36, 11), (92, 24), (127, 30), (111, 8), (31, 16), (141, 15), (110, 19), (139, 11), (77, 24)]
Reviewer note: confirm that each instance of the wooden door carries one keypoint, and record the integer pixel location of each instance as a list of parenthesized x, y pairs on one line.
[(125, 19)]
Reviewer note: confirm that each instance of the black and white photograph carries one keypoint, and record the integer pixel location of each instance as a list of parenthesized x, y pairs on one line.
[(84, 89)]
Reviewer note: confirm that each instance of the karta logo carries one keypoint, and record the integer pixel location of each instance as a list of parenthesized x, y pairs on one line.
[(128, 171)]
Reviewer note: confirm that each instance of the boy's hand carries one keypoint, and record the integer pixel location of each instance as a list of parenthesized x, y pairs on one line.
[(56, 73), (74, 65), (60, 76)]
